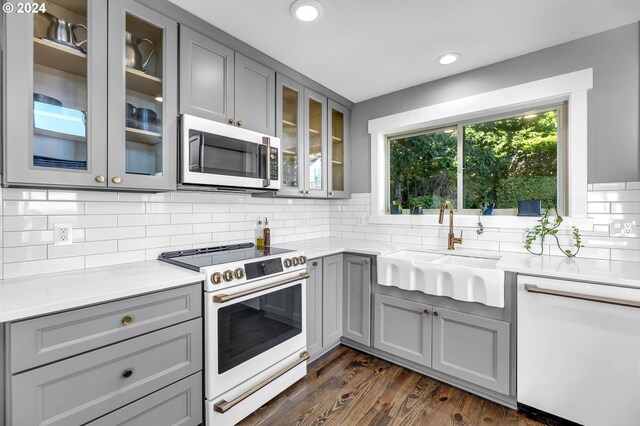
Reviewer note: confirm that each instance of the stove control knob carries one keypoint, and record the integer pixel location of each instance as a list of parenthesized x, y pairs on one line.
[(239, 273), (296, 261), (303, 260), (216, 278), (287, 263), (228, 275)]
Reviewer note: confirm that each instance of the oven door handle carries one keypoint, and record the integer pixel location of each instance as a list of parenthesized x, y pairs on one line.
[(267, 141), (224, 298), (224, 406)]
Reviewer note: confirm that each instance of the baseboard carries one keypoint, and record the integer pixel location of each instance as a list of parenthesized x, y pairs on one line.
[(314, 357), (507, 401)]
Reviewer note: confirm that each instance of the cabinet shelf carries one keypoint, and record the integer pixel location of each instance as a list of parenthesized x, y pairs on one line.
[(336, 162), (144, 83), (143, 136), (289, 152), (59, 135), (314, 131), (337, 139), (289, 123), (55, 55)]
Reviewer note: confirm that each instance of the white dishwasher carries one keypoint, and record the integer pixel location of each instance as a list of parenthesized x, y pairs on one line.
[(579, 350)]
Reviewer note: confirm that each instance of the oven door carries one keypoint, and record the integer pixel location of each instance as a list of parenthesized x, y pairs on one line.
[(251, 329), (218, 154)]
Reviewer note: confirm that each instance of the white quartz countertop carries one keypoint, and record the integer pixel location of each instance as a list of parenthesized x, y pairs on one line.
[(42, 294), (601, 271)]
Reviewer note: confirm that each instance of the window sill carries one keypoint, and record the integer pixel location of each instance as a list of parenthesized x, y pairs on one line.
[(465, 220)]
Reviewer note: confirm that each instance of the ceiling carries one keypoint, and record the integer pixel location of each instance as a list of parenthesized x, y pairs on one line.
[(366, 48)]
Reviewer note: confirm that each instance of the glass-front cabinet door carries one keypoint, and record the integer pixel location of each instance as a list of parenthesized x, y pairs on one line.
[(316, 144), (339, 165), (56, 101), (290, 130), (142, 53)]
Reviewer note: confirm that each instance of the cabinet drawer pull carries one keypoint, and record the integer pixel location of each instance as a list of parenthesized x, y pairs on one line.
[(232, 121), (426, 311), (315, 263), (99, 179), (127, 373), (365, 262), (435, 314), (127, 320), (239, 123), (116, 179)]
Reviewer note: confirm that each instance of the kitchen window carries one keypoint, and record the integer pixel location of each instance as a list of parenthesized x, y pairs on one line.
[(496, 160)]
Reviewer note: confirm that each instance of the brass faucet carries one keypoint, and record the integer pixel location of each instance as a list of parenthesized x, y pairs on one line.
[(452, 240)]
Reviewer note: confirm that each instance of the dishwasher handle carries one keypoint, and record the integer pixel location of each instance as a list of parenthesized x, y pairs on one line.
[(531, 288)]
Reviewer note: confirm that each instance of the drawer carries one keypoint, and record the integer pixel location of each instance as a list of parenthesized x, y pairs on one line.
[(42, 340), (177, 404), (80, 389)]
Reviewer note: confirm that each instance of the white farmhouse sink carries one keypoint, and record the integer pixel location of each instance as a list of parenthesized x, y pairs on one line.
[(470, 279)]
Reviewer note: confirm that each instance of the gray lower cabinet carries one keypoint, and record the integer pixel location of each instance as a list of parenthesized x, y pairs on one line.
[(356, 299), (91, 362), (472, 348), (331, 299), (403, 328), (42, 340), (314, 306), (177, 404), (220, 84)]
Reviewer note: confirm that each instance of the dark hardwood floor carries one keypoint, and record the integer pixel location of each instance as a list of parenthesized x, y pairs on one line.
[(348, 387)]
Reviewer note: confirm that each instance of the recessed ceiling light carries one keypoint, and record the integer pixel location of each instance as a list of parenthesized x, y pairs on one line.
[(306, 10), (448, 58)]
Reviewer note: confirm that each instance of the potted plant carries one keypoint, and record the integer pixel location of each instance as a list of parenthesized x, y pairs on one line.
[(420, 202), (547, 229), (396, 207), (487, 205)]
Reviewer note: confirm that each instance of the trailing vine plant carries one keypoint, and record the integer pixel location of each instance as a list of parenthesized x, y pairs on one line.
[(548, 229)]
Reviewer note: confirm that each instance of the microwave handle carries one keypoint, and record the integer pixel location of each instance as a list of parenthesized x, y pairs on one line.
[(201, 153), (267, 141)]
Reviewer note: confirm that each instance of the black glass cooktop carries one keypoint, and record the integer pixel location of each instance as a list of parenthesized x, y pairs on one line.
[(196, 258)]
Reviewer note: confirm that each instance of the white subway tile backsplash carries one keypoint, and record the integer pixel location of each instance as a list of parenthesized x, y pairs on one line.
[(60, 195), (611, 186), (159, 230), (143, 219), (20, 208), (117, 233), (115, 208), (169, 208), (48, 266), (24, 223), (633, 185), (85, 221), (143, 243), (23, 194), (23, 254), (82, 249), (93, 261)]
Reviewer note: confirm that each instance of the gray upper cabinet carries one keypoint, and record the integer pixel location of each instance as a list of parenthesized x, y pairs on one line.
[(63, 127), (331, 299), (290, 130), (143, 97), (314, 306), (206, 77), (315, 137), (338, 160), (56, 98), (403, 328), (254, 96), (472, 348), (219, 84), (356, 299)]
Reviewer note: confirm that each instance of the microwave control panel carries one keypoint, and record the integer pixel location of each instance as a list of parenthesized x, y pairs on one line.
[(273, 159)]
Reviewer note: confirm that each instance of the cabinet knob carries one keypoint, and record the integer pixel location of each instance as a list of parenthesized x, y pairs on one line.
[(239, 123), (435, 313), (365, 262), (301, 191), (306, 192), (127, 320), (99, 179), (331, 193), (116, 179), (127, 373), (315, 263), (232, 121), (426, 311)]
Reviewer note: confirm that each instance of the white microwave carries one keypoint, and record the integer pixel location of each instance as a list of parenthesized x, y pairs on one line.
[(222, 157)]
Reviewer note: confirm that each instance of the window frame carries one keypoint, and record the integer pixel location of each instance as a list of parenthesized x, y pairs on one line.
[(572, 87)]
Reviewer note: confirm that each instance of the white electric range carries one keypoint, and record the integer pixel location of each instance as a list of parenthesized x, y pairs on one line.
[(255, 325)]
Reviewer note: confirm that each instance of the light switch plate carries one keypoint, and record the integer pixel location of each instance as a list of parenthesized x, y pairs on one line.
[(622, 228)]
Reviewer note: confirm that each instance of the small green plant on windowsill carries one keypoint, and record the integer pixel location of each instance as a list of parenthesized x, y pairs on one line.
[(547, 229), (484, 206)]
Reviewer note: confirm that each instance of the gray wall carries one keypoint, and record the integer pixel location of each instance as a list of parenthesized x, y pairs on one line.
[(614, 110)]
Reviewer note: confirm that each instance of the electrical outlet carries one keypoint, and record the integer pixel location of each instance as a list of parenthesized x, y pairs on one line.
[(62, 234), (622, 228), (361, 220)]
